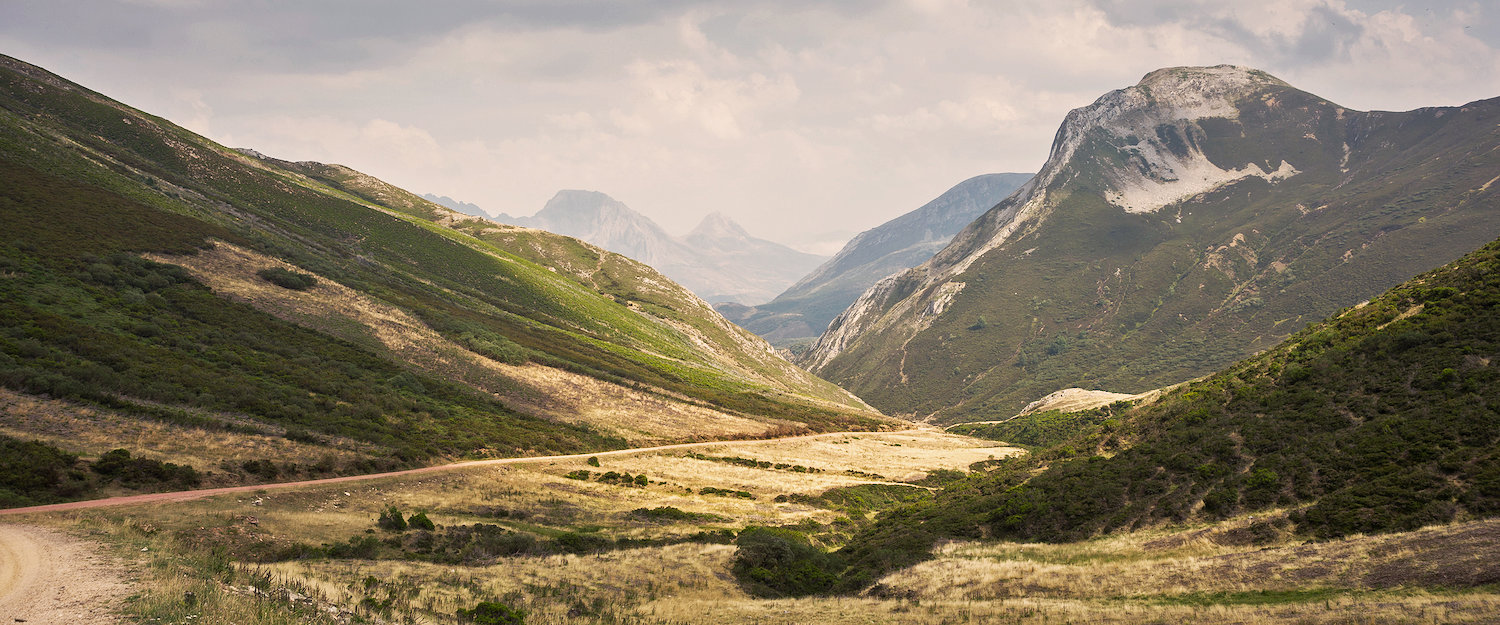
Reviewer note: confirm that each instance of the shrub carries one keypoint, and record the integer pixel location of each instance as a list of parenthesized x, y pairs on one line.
[(492, 613), (778, 562), (144, 472), (671, 513), (391, 520), (419, 521), (287, 279)]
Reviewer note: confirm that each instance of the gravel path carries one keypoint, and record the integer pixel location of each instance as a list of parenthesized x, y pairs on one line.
[(47, 577)]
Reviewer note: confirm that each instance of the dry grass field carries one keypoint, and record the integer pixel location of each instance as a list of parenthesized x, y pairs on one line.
[(1234, 572), (91, 431)]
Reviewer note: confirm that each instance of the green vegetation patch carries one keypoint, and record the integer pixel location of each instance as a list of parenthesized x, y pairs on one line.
[(779, 562), (1380, 419), (35, 473)]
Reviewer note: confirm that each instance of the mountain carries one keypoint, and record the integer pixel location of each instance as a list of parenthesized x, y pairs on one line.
[(1178, 225), (610, 224), (462, 207), (1378, 419), (805, 310), (761, 268), (156, 275), (718, 260)]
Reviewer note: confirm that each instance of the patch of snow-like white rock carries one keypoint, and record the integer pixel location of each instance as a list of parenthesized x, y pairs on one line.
[(1188, 177)]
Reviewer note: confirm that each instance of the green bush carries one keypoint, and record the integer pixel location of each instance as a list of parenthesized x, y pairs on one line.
[(671, 513), (33, 473), (419, 521), (778, 562), (492, 613), (391, 520), (140, 473), (287, 279)]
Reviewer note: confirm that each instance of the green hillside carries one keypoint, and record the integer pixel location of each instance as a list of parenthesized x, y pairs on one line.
[(112, 222), (1061, 287), (1383, 418)]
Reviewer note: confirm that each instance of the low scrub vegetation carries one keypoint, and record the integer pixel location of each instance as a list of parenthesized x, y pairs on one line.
[(35, 473), (1378, 420)]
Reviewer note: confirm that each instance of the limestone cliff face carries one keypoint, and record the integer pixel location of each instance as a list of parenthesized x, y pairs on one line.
[(1160, 162), (1177, 224)]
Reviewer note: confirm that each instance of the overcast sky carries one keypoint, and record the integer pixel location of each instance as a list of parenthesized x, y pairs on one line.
[(805, 120)]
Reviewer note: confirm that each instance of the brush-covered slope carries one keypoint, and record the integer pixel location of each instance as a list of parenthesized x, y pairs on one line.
[(1178, 225), (805, 310), (1382, 418), (718, 260), (150, 271)]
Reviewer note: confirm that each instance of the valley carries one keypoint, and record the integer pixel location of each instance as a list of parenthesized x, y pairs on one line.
[(1230, 356), (659, 553), (549, 534)]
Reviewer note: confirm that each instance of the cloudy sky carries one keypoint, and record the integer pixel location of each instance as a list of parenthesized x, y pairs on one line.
[(805, 120)]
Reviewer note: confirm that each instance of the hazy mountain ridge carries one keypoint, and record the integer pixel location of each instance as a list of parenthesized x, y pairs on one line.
[(718, 260), (462, 207), (805, 309), (1178, 224)]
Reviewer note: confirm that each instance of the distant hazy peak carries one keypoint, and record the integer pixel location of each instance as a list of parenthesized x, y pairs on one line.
[(574, 203), (717, 225)]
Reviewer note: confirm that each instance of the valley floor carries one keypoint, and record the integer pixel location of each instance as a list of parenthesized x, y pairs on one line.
[(659, 553)]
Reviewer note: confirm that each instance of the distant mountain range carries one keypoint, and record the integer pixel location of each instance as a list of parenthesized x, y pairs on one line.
[(462, 207), (804, 310), (718, 260), (1178, 225)]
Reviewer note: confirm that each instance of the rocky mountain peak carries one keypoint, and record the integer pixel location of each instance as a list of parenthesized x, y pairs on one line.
[(1144, 143)]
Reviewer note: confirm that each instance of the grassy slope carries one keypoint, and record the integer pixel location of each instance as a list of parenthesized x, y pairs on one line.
[(1379, 419), (89, 184), (1100, 298)]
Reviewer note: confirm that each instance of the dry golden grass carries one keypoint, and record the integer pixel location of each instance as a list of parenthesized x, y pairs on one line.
[(91, 431), (639, 417), (902, 456), (1162, 563), (603, 588), (1192, 575)]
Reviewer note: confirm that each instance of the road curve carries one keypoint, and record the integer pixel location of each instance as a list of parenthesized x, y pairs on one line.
[(187, 495), (47, 578)]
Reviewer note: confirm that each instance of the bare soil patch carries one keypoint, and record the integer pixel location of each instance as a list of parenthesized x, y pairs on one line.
[(48, 577)]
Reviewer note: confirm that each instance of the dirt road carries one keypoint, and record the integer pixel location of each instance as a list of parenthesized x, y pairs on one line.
[(209, 492), (47, 577)]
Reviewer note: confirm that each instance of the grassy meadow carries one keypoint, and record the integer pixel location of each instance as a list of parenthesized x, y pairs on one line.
[(537, 537)]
